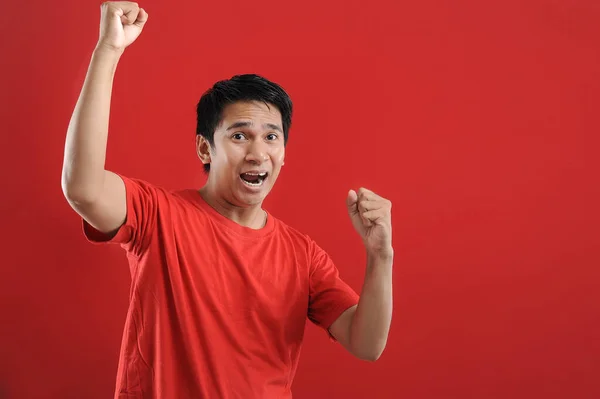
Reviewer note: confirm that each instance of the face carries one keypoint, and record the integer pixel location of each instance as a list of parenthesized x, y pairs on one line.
[(248, 153)]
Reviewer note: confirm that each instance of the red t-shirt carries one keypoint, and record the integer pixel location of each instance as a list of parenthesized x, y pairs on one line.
[(217, 310)]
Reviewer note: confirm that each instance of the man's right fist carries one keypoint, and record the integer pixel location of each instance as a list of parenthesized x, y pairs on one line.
[(121, 23)]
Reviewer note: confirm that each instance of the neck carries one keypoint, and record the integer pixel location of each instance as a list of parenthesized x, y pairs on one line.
[(252, 216)]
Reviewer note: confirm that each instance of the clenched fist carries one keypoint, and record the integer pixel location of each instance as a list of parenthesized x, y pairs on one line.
[(121, 22), (371, 217)]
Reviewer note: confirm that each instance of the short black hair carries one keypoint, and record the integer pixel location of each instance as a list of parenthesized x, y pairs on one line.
[(248, 87)]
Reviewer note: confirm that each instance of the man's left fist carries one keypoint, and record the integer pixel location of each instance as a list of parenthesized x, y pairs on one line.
[(371, 216)]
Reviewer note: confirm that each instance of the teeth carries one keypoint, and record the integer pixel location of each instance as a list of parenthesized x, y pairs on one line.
[(258, 183), (253, 184), (263, 174)]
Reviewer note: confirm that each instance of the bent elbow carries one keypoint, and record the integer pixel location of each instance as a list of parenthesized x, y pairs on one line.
[(78, 192), (371, 355)]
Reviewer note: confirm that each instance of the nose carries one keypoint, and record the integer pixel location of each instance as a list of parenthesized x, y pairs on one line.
[(257, 153)]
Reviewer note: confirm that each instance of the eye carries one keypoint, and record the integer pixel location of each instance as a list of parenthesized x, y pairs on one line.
[(238, 136), (272, 137)]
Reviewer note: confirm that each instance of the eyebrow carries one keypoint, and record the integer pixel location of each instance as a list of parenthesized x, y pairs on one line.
[(266, 126)]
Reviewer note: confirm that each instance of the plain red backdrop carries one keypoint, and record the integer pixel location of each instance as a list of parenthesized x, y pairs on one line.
[(479, 120)]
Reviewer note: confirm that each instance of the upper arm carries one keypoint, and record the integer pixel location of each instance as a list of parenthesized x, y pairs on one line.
[(108, 211), (340, 328)]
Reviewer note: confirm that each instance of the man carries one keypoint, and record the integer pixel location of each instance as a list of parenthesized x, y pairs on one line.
[(220, 288)]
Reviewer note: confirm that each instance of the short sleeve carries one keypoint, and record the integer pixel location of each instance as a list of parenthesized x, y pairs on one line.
[(135, 233), (329, 295)]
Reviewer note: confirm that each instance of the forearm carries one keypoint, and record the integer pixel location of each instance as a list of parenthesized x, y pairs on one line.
[(371, 322), (87, 134)]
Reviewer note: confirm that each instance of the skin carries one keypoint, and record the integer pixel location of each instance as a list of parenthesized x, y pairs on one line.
[(249, 138), (363, 329)]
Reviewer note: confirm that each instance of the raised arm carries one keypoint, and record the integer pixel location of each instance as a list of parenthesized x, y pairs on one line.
[(363, 329), (95, 193)]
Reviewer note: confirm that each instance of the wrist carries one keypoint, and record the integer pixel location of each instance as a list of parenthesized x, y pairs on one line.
[(380, 254), (105, 51)]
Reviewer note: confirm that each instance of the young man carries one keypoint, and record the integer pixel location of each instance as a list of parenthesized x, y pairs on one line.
[(220, 288)]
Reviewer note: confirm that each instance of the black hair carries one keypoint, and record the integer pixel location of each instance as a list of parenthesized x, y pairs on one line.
[(249, 87)]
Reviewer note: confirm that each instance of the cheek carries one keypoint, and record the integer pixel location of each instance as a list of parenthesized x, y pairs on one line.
[(278, 156), (233, 155)]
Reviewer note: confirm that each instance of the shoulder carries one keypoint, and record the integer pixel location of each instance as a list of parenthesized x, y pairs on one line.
[(159, 196), (300, 239), (142, 187), (293, 233)]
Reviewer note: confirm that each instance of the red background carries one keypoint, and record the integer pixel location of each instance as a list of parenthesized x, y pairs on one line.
[(479, 120)]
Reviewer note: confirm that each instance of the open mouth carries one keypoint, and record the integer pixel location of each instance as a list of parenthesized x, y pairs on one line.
[(253, 179)]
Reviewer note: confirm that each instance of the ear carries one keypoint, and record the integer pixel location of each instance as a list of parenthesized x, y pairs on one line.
[(203, 149)]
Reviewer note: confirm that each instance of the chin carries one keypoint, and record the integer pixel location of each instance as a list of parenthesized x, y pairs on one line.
[(244, 199)]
